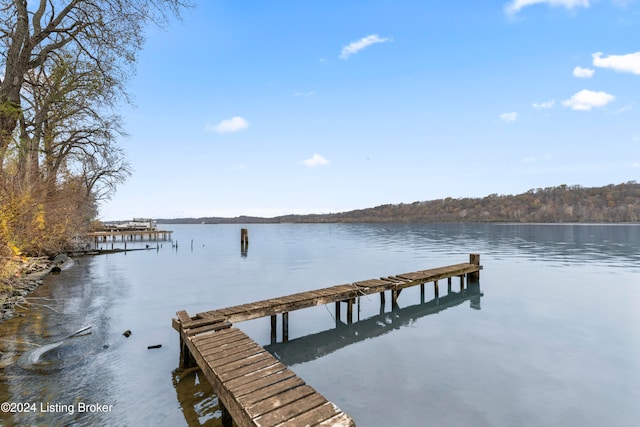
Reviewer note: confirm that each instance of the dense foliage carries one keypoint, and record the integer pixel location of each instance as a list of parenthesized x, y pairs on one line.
[(612, 203)]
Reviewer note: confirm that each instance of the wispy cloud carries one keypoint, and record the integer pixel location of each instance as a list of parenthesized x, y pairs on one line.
[(629, 63), (315, 160), (515, 6), (543, 105), (583, 73), (509, 117), (310, 93), (585, 100), (355, 47), (623, 109), (233, 124)]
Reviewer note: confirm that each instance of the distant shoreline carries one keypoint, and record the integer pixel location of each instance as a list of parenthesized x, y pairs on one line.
[(611, 204)]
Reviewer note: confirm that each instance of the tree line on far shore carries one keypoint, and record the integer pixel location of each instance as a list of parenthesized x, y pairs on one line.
[(609, 204)]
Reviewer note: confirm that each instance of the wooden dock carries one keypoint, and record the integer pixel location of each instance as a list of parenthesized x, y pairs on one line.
[(253, 387), (130, 235)]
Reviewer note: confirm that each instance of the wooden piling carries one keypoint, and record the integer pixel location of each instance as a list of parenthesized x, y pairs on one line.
[(227, 420), (244, 241), (475, 276), (274, 325), (338, 312), (350, 311), (436, 291), (285, 326)]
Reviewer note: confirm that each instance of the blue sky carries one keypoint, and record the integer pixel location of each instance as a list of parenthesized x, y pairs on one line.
[(270, 108)]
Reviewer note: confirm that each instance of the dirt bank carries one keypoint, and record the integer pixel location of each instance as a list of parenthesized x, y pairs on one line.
[(30, 275)]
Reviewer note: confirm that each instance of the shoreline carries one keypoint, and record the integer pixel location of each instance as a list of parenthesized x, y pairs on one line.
[(30, 276)]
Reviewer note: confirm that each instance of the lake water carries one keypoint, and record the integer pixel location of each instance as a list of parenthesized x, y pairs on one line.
[(550, 338)]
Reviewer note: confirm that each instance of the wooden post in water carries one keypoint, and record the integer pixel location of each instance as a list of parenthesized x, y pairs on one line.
[(285, 326), (338, 312), (475, 260), (226, 419), (461, 283), (421, 293), (274, 325), (449, 285), (244, 241), (436, 291), (350, 311)]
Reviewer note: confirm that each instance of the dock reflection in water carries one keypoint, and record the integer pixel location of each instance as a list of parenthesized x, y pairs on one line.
[(314, 346), (200, 404)]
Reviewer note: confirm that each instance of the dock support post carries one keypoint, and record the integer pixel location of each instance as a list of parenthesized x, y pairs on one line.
[(394, 298), (227, 421), (421, 293), (338, 312), (350, 311), (285, 326), (186, 360), (475, 260), (436, 291), (274, 337), (449, 285), (462, 283)]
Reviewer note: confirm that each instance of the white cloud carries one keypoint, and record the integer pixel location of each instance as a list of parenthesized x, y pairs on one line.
[(636, 138), (516, 5), (543, 105), (315, 160), (585, 100), (310, 93), (635, 165), (355, 47), (233, 124), (629, 63), (583, 73), (509, 117)]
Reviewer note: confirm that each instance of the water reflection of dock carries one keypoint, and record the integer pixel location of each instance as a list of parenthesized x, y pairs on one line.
[(255, 388), (314, 346)]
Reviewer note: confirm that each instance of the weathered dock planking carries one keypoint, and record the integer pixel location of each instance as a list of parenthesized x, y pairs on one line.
[(254, 388)]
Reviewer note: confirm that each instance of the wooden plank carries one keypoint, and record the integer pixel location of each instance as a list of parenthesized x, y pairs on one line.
[(243, 356), (230, 354), (282, 399), (218, 338), (194, 323), (340, 420), (234, 379), (291, 410), (268, 386), (244, 362), (314, 416), (208, 328), (183, 317)]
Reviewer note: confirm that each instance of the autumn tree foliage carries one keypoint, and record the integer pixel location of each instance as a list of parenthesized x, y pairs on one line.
[(64, 65)]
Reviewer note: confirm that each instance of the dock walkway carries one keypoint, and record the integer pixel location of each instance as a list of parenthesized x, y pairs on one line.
[(254, 388)]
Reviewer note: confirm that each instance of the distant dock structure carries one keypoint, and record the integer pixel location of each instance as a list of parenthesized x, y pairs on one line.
[(139, 229)]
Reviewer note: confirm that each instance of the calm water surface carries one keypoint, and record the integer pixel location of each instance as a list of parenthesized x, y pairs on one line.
[(552, 340)]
